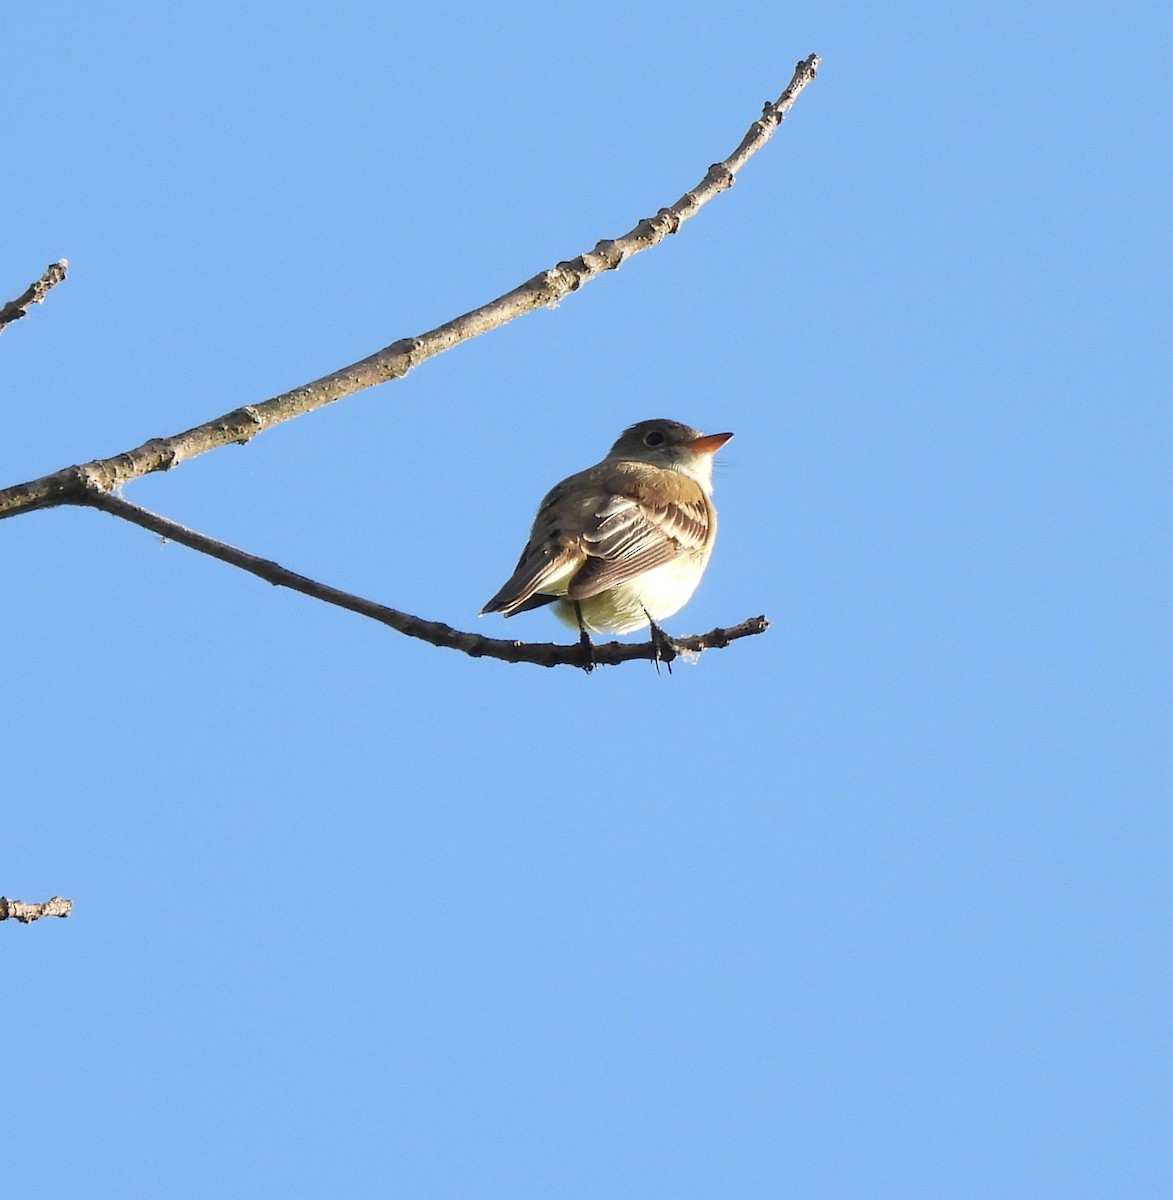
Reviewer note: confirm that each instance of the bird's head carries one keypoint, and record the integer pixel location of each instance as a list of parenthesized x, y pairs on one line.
[(670, 444)]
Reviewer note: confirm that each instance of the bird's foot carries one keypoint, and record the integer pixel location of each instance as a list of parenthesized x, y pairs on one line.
[(663, 645), (586, 650), (585, 646)]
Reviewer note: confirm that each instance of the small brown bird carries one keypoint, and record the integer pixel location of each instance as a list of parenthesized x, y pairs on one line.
[(622, 544)]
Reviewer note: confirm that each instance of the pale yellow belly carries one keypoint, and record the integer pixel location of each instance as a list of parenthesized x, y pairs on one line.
[(657, 593)]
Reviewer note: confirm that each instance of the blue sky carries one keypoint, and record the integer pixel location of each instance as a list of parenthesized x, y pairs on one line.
[(877, 904)]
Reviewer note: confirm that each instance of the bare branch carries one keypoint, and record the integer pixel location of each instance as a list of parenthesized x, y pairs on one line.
[(394, 361), (546, 654), (18, 910), (33, 294), (94, 483)]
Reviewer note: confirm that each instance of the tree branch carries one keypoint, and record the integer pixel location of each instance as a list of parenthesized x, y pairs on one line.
[(394, 361), (93, 484), (18, 910), (545, 654), (33, 294)]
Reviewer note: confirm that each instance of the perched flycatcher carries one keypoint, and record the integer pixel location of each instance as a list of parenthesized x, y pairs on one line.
[(622, 544)]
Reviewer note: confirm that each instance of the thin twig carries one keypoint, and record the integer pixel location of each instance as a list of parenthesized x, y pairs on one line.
[(33, 294), (546, 654), (394, 361), (18, 910)]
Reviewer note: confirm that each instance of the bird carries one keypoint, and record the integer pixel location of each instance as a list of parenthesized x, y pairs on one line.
[(622, 545)]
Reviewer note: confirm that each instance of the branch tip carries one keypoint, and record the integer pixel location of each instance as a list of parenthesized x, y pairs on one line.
[(18, 910), (35, 293)]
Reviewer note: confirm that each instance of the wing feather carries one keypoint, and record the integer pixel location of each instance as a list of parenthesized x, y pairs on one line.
[(631, 536)]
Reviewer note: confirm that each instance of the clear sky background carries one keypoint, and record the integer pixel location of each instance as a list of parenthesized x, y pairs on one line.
[(875, 905)]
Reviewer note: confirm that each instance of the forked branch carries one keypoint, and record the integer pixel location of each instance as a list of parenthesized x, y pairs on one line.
[(94, 483)]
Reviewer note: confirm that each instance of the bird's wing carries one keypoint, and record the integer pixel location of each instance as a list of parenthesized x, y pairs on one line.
[(644, 528)]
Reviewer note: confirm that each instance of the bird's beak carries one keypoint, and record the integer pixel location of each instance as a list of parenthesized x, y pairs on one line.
[(709, 444)]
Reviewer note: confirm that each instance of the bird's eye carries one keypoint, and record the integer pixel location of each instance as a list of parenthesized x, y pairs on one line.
[(655, 438)]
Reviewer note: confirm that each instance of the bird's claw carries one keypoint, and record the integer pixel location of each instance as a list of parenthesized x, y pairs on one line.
[(663, 645), (586, 650)]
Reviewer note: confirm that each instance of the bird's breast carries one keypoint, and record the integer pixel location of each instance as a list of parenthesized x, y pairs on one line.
[(658, 593)]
